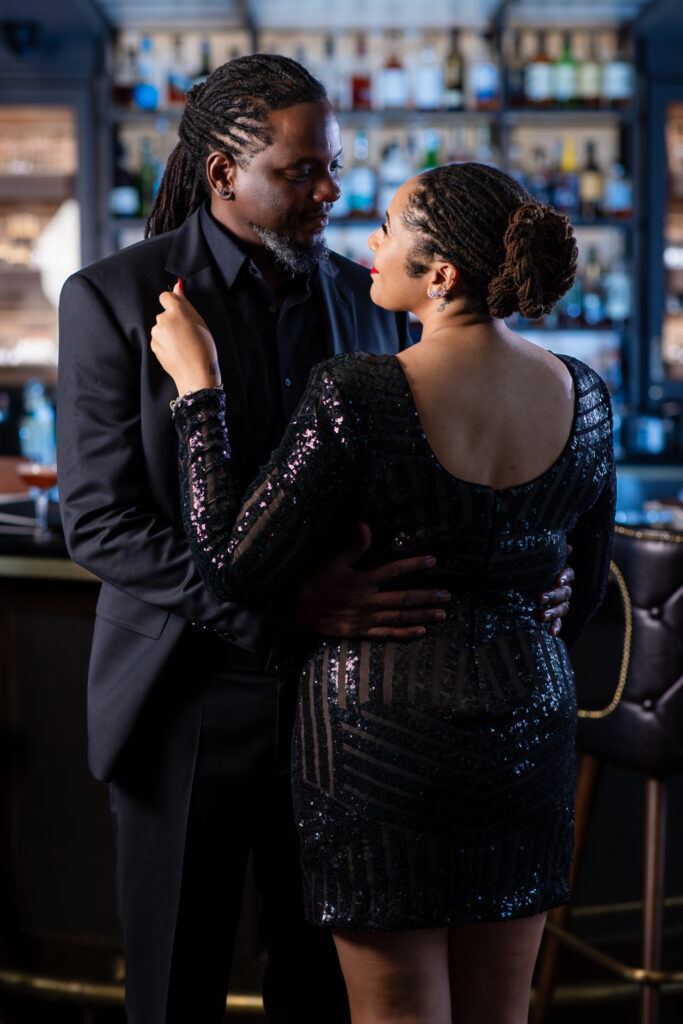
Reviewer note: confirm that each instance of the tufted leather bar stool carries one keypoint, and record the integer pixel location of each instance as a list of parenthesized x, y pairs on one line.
[(641, 728)]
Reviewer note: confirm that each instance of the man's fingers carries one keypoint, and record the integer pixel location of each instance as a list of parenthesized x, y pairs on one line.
[(566, 576), (402, 633), (394, 600), (402, 567), (557, 595), (556, 612), (404, 617)]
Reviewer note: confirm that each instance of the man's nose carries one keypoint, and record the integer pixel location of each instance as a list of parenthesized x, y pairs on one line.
[(327, 189)]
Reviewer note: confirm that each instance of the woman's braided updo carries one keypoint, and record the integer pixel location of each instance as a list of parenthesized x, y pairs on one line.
[(513, 254), (229, 113)]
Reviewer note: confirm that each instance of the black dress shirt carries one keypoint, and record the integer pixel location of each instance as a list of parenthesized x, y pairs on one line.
[(279, 334)]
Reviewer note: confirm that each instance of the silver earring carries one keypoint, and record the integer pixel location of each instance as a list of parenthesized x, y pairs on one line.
[(437, 295)]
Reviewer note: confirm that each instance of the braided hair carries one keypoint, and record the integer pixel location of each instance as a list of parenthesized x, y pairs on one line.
[(228, 112), (513, 253)]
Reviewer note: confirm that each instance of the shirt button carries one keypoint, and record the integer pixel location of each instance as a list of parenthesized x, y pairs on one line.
[(272, 309), (288, 382)]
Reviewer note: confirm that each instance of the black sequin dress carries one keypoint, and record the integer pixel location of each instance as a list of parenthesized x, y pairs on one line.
[(433, 779)]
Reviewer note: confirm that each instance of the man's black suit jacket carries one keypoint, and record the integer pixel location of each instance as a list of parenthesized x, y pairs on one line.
[(117, 458)]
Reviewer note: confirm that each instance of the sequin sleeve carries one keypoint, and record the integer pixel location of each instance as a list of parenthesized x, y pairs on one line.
[(244, 548), (591, 537)]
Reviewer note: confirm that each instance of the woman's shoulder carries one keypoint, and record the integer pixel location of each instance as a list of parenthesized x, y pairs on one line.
[(593, 402), (357, 370)]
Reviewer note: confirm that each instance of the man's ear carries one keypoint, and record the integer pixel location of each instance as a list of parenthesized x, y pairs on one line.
[(220, 170)]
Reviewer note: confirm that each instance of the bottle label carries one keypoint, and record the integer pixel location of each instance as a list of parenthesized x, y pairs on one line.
[(618, 81), (428, 88), (591, 186), (394, 87), (565, 82), (484, 82), (538, 82), (588, 85)]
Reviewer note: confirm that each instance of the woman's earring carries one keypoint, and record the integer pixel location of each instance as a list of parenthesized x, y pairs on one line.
[(437, 295)]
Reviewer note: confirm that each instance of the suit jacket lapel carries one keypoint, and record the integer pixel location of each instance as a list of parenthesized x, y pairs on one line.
[(191, 261), (340, 311)]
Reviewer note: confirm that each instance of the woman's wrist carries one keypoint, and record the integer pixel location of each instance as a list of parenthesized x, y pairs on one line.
[(186, 399), (200, 382)]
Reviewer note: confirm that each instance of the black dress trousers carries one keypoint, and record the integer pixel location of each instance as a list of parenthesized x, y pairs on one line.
[(203, 781)]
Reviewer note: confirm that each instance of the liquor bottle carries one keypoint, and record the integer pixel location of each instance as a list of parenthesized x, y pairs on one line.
[(431, 149), (361, 180), (178, 82), (591, 185), (618, 201), (124, 198), (566, 188), (125, 76), (394, 169), (146, 91), (204, 69), (570, 306), (393, 80), (427, 81), (361, 79), (540, 180), (515, 167), (37, 439), (593, 294), (483, 75), (617, 294), (538, 77), (514, 80), (453, 96), (618, 74), (332, 75), (564, 76), (148, 176), (589, 75)]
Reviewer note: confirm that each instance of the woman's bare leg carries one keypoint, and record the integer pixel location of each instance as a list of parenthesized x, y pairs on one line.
[(491, 966), (396, 977)]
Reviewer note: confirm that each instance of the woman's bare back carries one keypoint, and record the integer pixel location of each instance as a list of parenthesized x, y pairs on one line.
[(495, 409)]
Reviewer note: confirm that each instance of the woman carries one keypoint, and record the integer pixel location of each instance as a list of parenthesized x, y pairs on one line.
[(433, 779)]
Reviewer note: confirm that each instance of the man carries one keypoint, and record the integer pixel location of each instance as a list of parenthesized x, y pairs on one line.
[(189, 701)]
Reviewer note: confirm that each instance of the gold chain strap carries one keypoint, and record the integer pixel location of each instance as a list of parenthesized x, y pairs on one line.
[(647, 534), (644, 534), (626, 654)]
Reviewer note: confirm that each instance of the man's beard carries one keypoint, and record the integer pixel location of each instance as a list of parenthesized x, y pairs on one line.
[(290, 255)]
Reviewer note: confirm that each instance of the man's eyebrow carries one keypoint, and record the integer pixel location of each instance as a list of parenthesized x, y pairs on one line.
[(312, 159)]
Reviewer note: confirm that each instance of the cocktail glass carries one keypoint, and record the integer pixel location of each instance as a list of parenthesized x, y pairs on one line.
[(41, 478)]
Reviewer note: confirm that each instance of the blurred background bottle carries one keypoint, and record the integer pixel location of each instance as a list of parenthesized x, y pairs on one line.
[(37, 434), (538, 76), (178, 81), (361, 78), (565, 75), (393, 78), (146, 93), (454, 93)]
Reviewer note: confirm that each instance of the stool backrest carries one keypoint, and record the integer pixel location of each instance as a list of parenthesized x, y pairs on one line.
[(642, 727)]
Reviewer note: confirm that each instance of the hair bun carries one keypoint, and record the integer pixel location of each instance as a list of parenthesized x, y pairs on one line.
[(539, 264)]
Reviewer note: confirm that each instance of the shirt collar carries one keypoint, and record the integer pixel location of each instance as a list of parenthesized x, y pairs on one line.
[(224, 249)]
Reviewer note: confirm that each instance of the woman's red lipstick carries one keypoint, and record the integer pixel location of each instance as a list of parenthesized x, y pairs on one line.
[(373, 271)]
